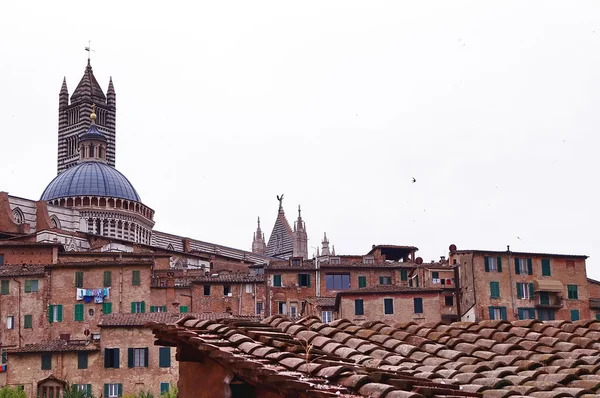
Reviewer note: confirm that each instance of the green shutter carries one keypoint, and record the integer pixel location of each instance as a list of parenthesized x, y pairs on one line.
[(78, 312), (520, 311), (164, 308), (143, 305), (495, 289), (362, 281), (88, 390), (59, 314), (5, 287), (152, 308), (418, 304), (519, 295), (499, 263), (79, 279), (51, 313), (544, 298), (164, 357), (358, 307), (117, 357), (531, 292), (529, 266), (107, 278), (435, 275), (277, 280), (46, 361), (130, 357), (403, 274), (574, 315), (183, 309), (106, 390), (107, 308), (164, 388), (308, 280), (598, 316), (133, 307), (491, 311), (28, 322), (486, 261), (82, 360), (27, 286), (146, 357), (120, 389), (546, 267), (503, 313), (135, 278), (517, 267), (572, 292)]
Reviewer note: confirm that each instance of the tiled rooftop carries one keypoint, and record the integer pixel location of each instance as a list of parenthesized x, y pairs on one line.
[(230, 278), (322, 301), (56, 346), (490, 358), (499, 252), (21, 270), (141, 319), (390, 289)]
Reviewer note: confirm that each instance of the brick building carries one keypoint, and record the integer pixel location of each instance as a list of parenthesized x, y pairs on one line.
[(515, 285)]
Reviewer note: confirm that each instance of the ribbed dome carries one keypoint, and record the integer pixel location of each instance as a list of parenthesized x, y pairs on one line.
[(90, 179)]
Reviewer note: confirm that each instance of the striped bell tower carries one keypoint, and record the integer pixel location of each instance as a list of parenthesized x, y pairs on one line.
[(73, 118)]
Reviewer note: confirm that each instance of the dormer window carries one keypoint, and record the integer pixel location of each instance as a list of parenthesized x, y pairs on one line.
[(368, 260), (334, 261), (296, 262)]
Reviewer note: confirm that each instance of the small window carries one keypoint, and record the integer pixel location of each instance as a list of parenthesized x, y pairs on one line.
[(546, 266), (493, 264), (296, 262), (277, 280), (293, 310), (85, 389), (574, 315), (449, 301), (206, 290), (388, 306), (304, 280), (259, 307), (10, 322), (113, 390), (82, 360), (526, 313), (135, 278), (227, 290), (524, 290), (359, 308), (523, 266), (249, 288), (55, 313), (282, 307), (5, 287), (138, 307), (79, 279), (497, 313), (111, 357), (368, 260), (158, 308), (435, 275), (164, 388), (164, 357), (137, 357), (46, 361), (107, 278), (31, 286), (418, 305), (107, 308), (183, 309), (385, 280), (362, 281), (572, 292), (334, 261), (28, 322), (326, 316), (403, 274)]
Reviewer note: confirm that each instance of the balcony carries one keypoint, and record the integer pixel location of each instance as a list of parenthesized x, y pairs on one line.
[(548, 301)]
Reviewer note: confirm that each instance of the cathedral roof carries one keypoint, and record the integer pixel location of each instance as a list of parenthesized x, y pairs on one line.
[(281, 239), (92, 134), (88, 88), (90, 179)]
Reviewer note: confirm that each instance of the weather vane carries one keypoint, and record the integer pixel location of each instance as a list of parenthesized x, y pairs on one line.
[(89, 49)]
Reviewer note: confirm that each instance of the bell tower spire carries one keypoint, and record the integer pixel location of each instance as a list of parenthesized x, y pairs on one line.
[(300, 237), (258, 242)]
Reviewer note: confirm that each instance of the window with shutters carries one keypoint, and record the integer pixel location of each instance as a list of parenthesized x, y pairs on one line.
[(28, 322), (138, 357), (418, 305), (1, 259), (184, 309), (31, 286), (403, 275), (435, 278), (82, 360), (107, 308), (259, 307), (492, 264), (5, 287), (282, 307), (523, 266), (574, 315), (526, 313), (362, 281), (135, 278), (497, 313), (55, 313), (277, 280), (385, 280), (158, 308), (113, 390), (249, 288), (359, 308), (138, 307), (227, 290), (10, 322), (304, 280), (164, 357), (598, 316), (546, 315), (326, 316), (206, 290), (79, 279), (4, 355), (524, 291), (388, 306), (572, 292), (495, 289), (546, 267), (79, 312), (111, 357), (164, 388), (107, 278), (46, 361), (84, 389)]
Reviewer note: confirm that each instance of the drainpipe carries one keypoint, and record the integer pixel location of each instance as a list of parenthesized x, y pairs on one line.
[(474, 285), (317, 278), (19, 310), (512, 296), (255, 298)]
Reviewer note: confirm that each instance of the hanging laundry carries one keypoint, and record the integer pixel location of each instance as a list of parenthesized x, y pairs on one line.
[(80, 294), (87, 299)]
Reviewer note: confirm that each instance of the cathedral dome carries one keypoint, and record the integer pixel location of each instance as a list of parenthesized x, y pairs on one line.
[(90, 179)]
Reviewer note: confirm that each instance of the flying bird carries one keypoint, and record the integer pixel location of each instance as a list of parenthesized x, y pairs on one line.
[(414, 180)]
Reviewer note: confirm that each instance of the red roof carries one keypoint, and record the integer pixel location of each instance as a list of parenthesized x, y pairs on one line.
[(57, 346), (498, 252), (21, 270), (141, 319)]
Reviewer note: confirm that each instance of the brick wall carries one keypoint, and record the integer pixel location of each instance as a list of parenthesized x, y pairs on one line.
[(27, 254)]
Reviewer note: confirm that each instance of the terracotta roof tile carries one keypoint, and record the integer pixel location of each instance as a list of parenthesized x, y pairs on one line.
[(21, 270), (57, 346), (141, 319)]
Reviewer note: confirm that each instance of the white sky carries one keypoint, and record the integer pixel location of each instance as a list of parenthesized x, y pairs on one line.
[(221, 106)]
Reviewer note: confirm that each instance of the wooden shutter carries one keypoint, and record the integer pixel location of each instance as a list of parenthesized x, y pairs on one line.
[(116, 357), (50, 313), (418, 304), (529, 267), (362, 281), (130, 357), (517, 268), (491, 310), (531, 292), (499, 263), (164, 357), (519, 294), (107, 308), (308, 280), (88, 390), (59, 313), (107, 355), (27, 286), (146, 357), (120, 390), (486, 261), (388, 306), (106, 390), (107, 278), (133, 307), (358, 307), (503, 313), (79, 312)]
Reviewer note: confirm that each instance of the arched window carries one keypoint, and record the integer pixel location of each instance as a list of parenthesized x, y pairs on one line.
[(91, 151), (18, 215), (100, 152), (170, 247), (54, 222)]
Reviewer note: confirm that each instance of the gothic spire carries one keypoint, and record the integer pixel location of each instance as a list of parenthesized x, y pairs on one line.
[(325, 250), (63, 96), (258, 241), (88, 88)]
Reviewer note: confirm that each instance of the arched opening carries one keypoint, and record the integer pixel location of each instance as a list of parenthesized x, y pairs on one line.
[(77, 201), (102, 202), (18, 215), (91, 151), (94, 201), (70, 202), (86, 201), (54, 222)]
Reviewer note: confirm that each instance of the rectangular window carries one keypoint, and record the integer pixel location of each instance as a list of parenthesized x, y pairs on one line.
[(138, 307), (249, 288), (403, 274), (368, 260), (497, 313), (337, 281), (107, 308), (113, 390), (418, 304), (111, 358), (277, 280), (85, 389), (226, 290), (31, 286), (435, 275), (526, 313), (1, 259), (107, 278), (546, 267), (135, 278), (385, 280), (5, 287), (362, 281), (293, 310), (359, 308), (158, 308), (55, 313), (326, 316), (493, 264), (259, 307), (544, 299), (572, 292), (28, 322), (46, 361), (296, 262), (523, 266), (304, 280), (79, 279), (10, 322), (79, 312), (164, 388), (282, 307), (495, 289), (449, 301), (545, 315), (164, 357), (206, 290), (524, 291), (598, 316), (388, 306), (183, 309), (4, 356), (137, 357), (82, 360), (574, 315)]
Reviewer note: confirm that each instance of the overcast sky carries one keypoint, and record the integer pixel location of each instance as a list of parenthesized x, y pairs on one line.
[(337, 104)]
